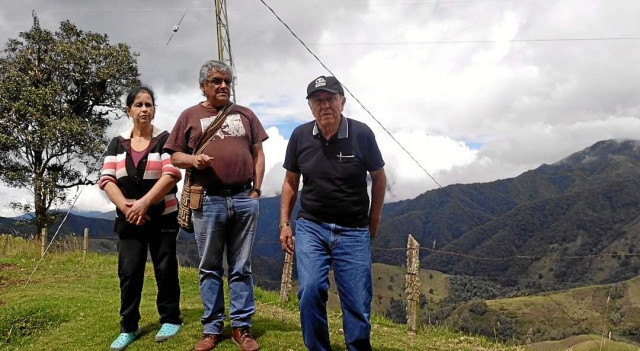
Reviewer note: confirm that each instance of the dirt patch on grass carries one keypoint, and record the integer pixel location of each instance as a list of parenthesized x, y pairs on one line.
[(8, 279), (6, 282), (7, 266)]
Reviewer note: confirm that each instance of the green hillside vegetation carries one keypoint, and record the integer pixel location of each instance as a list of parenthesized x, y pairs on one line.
[(586, 206), (388, 284), (582, 343), (72, 304), (614, 308)]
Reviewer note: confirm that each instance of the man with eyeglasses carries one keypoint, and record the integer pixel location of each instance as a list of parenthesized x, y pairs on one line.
[(230, 169), (335, 224)]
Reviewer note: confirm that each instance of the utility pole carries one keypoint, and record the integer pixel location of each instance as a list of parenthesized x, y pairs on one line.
[(224, 41)]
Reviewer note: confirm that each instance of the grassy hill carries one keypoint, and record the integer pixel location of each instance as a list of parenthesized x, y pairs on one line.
[(72, 304), (580, 343), (388, 283), (595, 309)]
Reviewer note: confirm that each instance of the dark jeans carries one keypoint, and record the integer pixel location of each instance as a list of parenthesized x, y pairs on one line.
[(159, 237)]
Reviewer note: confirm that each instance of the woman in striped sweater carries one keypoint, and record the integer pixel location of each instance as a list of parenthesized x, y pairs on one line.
[(140, 180)]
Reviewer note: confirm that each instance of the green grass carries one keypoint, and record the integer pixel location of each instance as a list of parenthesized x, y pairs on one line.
[(582, 343), (72, 304), (566, 316)]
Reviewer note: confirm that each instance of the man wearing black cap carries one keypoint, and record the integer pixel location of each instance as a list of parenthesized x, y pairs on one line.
[(335, 224)]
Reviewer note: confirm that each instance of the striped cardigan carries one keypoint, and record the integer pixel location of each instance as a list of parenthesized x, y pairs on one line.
[(135, 182)]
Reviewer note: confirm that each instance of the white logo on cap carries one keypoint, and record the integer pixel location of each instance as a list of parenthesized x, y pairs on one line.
[(320, 82)]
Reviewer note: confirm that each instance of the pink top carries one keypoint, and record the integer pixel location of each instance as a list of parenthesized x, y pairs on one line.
[(138, 155)]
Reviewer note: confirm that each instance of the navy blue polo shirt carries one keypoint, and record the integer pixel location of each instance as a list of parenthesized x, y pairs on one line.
[(334, 171)]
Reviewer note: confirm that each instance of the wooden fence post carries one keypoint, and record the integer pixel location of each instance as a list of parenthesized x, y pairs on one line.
[(5, 243), (43, 238), (412, 285), (285, 281), (85, 243)]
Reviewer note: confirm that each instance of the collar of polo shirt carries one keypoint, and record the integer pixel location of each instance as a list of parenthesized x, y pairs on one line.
[(343, 130)]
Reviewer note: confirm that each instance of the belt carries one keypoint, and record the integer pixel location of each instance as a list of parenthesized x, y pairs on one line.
[(228, 191)]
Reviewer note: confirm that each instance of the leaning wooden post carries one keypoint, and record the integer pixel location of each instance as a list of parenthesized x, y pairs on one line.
[(85, 243), (412, 285), (285, 282), (43, 238), (5, 243)]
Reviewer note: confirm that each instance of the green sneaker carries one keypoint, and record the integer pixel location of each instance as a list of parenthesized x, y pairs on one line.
[(167, 331), (125, 339)]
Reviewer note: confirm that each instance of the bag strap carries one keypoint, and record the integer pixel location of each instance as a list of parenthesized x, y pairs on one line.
[(206, 137), (212, 129)]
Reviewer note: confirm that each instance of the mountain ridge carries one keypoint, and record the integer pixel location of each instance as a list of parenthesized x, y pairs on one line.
[(584, 204)]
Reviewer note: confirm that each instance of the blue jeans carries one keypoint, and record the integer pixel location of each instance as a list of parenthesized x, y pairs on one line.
[(318, 246), (226, 222)]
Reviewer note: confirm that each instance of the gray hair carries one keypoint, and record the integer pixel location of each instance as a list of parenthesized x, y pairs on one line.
[(216, 65)]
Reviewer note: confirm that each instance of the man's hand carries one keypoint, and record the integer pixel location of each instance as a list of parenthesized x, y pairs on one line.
[(373, 229), (202, 161), (286, 239)]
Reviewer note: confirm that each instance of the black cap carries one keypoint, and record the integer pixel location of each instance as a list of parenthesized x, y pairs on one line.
[(326, 83)]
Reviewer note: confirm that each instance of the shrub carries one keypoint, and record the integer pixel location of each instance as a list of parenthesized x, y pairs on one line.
[(397, 311)]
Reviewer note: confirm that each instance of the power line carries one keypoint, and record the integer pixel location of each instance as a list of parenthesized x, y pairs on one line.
[(175, 30), (358, 101), (139, 9), (429, 2), (509, 258), (54, 237), (295, 2), (441, 42), (478, 225), (446, 42), (80, 190)]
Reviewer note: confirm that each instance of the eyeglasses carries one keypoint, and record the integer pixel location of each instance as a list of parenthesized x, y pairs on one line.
[(218, 81)]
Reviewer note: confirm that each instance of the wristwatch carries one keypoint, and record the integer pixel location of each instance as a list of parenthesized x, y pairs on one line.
[(258, 191), (285, 224)]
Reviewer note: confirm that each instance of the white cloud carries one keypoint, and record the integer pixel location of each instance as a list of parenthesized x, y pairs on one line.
[(274, 150), (9, 195), (92, 198), (435, 154), (426, 70)]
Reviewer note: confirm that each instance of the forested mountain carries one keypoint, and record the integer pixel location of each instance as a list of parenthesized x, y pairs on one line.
[(584, 205), (575, 221)]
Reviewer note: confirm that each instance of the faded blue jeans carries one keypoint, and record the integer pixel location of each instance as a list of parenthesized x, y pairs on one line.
[(226, 222), (318, 246)]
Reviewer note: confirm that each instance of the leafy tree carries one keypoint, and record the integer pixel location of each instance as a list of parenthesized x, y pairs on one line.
[(57, 91), (397, 311)]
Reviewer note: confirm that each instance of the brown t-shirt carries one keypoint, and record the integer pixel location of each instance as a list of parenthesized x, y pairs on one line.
[(230, 147)]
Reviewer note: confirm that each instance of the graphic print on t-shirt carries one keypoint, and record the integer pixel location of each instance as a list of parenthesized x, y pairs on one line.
[(204, 122), (232, 126)]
